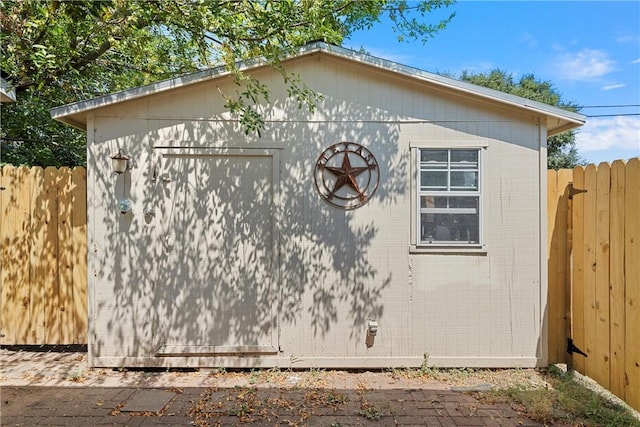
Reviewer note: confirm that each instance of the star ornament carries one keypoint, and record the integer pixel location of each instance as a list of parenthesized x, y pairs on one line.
[(347, 175)]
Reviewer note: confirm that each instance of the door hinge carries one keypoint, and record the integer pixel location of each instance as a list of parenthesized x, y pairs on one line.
[(573, 191), (571, 348)]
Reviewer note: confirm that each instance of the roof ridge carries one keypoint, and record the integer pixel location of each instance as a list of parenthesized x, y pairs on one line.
[(62, 113)]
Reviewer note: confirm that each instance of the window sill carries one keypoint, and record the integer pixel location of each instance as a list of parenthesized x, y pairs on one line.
[(448, 250)]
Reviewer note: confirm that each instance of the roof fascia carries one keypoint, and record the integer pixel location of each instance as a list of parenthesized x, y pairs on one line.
[(7, 92), (575, 119), (457, 85)]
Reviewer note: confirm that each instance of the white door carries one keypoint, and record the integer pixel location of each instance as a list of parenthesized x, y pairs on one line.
[(215, 290)]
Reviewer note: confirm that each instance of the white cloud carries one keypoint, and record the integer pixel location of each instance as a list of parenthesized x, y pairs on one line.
[(609, 133), (628, 39), (529, 39), (613, 86), (637, 61), (587, 64)]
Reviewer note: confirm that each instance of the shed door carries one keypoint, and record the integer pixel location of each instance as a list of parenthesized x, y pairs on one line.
[(215, 284)]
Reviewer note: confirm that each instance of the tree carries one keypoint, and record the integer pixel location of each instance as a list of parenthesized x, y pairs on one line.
[(561, 149), (57, 52)]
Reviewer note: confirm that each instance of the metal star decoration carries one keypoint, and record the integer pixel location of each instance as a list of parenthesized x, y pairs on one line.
[(346, 175), (341, 183)]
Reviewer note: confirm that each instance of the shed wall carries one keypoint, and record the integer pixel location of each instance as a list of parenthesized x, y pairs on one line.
[(333, 270)]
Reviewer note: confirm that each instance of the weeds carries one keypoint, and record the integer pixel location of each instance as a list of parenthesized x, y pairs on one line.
[(369, 411), (336, 398), (263, 376), (315, 371), (77, 376), (218, 371), (566, 401), (241, 410), (428, 372)]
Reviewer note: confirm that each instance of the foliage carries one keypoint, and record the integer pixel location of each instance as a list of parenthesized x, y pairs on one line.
[(31, 137), (561, 151), (58, 52), (567, 401), (369, 411)]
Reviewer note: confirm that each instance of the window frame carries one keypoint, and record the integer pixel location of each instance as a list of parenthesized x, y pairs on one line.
[(417, 244)]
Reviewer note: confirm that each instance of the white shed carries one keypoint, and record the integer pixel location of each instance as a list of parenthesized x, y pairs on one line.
[(7, 92), (405, 217)]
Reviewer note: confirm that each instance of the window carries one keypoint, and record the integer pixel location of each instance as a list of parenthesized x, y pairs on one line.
[(449, 197)]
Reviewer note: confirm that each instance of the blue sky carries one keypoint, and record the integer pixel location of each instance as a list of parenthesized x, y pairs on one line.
[(589, 50)]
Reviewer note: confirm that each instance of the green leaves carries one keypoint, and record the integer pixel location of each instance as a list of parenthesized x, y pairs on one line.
[(561, 149), (64, 51)]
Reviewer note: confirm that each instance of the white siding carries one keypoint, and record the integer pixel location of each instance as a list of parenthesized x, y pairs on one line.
[(337, 269)]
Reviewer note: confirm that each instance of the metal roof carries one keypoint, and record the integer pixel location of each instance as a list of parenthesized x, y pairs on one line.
[(558, 120)]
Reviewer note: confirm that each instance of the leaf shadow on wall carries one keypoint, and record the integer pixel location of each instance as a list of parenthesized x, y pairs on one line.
[(233, 254)]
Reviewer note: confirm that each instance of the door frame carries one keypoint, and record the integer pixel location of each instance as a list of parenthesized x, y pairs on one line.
[(161, 153)]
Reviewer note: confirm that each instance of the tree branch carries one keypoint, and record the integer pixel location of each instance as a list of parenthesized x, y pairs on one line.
[(91, 56)]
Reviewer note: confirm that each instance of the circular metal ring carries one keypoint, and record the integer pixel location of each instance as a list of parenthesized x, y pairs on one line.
[(347, 175)]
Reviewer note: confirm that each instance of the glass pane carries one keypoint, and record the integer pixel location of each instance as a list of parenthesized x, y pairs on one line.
[(450, 225), (444, 202), (434, 158), (464, 202), (464, 158), (434, 202), (464, 180), (434, 180), (428, 201), (449, 228)]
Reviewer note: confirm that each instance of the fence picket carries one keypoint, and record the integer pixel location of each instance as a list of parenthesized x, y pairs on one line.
[(601, 357), (632, 291), (557, 203), (15, 220), (577, 272), (617, 279), (79, 254), (37, 269), (65, 249), (567, 178), (50, 258), (590, 249), (553, 205)]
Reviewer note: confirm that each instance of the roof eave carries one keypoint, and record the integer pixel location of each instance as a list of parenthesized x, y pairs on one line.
[(563, 127), (572, 119), (460, 86), (82, 125), (76, 108), (7, 92)]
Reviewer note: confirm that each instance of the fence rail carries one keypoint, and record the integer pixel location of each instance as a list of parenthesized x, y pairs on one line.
[(43, 230), (594, 273)]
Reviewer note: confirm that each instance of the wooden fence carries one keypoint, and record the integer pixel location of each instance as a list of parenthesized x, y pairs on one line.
[(43, 230), (594, 273), (594, 265)]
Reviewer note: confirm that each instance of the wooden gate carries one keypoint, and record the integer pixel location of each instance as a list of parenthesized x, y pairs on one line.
[(594, 273), (43, 270)]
